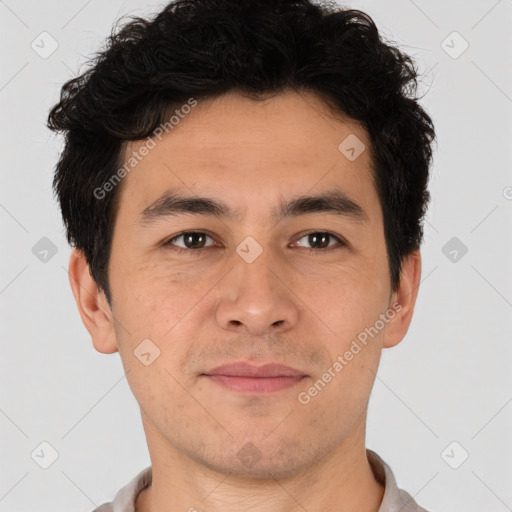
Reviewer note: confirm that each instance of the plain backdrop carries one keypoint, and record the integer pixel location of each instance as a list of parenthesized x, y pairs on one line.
[(442, 395)]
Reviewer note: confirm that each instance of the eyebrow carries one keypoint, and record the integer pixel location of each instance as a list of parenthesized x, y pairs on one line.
[(173, 203)]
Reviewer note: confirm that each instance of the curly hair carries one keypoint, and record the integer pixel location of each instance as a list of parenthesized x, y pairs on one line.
[(205, 48)]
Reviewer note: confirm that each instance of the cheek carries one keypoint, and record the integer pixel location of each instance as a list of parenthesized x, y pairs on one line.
[(161, 398), (166, 310), (346, 301), (153, 299)]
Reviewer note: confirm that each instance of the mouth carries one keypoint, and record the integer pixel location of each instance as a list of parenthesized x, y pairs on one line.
[(245, 378)]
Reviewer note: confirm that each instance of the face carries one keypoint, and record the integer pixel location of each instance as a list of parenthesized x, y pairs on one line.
[(264, 276)]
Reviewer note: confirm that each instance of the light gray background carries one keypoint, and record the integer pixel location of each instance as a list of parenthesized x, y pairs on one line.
[(449, 380)]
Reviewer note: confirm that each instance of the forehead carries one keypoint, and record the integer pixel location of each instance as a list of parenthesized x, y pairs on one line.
[(250, 152)]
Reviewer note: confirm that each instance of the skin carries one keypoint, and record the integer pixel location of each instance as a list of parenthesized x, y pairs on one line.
[(296, 304)]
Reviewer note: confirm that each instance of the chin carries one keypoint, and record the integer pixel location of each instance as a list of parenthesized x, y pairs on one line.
[(261, 460)]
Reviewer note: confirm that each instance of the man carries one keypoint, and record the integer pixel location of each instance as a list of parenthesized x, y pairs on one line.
[(243, 184)]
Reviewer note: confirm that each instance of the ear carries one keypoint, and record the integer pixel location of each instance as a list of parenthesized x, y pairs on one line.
[(92, 304), (405, 298)]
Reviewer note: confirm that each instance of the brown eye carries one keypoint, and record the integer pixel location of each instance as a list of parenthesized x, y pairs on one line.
[(191, 240), (320, 240)]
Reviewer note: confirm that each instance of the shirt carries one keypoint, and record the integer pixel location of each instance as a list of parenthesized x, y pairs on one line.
[(394, 499)]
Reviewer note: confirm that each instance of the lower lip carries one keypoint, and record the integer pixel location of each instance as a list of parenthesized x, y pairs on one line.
[(255, 384)]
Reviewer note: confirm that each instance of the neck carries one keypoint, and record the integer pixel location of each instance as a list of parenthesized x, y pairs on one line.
[(342, 480)]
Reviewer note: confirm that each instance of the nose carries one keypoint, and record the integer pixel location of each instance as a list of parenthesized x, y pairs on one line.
[(256, 299)]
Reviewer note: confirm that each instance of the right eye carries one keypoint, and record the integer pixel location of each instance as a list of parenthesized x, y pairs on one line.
[(192, 240)]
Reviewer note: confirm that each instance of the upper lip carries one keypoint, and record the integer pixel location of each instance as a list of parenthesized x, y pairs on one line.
[(243, 369)]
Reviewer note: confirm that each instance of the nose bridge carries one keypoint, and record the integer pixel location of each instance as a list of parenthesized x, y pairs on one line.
[(256, 283), (254, 297)]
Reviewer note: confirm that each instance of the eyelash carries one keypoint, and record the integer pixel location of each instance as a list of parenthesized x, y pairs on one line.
[(181, 250)]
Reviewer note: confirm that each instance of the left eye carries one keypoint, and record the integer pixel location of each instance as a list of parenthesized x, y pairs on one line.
[(191, 240), (320, 239)]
